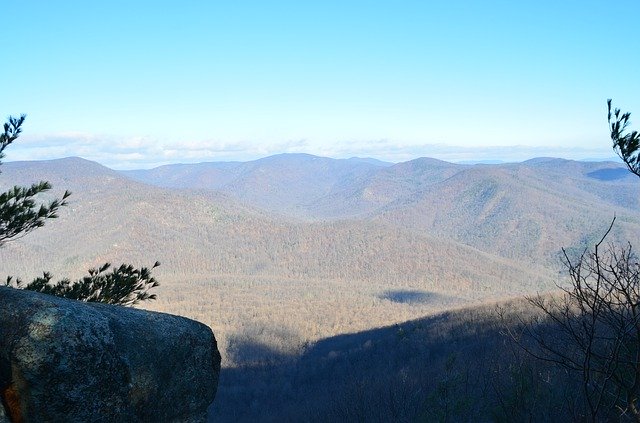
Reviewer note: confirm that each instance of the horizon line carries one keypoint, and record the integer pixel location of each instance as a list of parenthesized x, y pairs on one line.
[(480, 161)]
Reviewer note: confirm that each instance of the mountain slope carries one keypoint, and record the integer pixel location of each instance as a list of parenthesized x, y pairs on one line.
[(525, 211), (284, 183), (111, 218)]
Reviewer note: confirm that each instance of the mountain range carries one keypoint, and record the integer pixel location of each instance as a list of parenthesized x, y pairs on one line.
[(298, 215), (200, 232), (515, 210), (292, 251)]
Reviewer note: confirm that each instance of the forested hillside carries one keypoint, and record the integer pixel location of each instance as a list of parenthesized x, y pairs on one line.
[(282, 255), (208, 233), (519, 211)]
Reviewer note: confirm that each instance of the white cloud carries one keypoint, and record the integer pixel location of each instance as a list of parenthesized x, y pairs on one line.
[(145, 152)]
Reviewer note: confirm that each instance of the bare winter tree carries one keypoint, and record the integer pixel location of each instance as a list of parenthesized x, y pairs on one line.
[(593, 328)]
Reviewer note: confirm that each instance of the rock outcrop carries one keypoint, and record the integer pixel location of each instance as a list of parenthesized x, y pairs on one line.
[(70, 361)]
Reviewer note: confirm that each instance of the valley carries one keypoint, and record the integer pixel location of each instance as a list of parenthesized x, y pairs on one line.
[(287, 253)]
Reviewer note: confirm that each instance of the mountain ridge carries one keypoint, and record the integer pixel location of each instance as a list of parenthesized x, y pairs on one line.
[(383, 245), (516, 211), (112, 218), (320, 188)]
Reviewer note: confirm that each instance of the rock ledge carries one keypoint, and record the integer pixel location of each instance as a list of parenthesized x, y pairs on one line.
[(76, 362)]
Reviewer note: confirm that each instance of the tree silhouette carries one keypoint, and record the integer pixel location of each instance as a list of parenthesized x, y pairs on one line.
[(627, 146), (593, 328), (20, 214)]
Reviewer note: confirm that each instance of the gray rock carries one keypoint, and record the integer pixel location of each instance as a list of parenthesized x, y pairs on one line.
[(81, 362), (3, 416)]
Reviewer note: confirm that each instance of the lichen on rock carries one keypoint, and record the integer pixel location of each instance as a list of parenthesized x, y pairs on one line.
[(74, 361)]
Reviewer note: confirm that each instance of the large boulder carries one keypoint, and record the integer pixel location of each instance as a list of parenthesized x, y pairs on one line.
[(70, 361)]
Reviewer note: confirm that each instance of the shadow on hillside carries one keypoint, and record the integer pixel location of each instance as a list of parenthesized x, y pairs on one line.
[(260, 346), (409, 296), (610, 174), (394, 373)]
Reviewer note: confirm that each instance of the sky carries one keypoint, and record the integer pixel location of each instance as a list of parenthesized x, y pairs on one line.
[(137, 84)]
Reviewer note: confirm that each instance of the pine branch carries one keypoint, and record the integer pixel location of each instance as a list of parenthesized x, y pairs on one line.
[(124, 285)]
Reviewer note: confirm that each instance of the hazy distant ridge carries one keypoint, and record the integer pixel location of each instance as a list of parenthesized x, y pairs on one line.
[(311, 187), (436, 225)]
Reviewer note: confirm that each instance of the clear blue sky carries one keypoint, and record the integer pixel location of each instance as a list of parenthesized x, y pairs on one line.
[(140, 83)]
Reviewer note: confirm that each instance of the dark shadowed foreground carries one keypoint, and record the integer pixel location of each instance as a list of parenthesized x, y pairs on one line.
[(456, 366)]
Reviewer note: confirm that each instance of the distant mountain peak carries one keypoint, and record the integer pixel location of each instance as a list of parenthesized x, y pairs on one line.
[(369, 160)]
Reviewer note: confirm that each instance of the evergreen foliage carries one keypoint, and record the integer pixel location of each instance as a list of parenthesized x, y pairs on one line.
[(20, 213), (627, 146)]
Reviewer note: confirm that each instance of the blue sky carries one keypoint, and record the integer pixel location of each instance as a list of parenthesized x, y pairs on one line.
[(143, 83)]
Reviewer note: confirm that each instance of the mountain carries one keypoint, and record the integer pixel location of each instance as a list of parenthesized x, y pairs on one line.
[(204, 234), (473, 162), (287, 184), (293, 260), (303, 185), (193, 176), (404, 240), (526, 211), (369, 160)]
